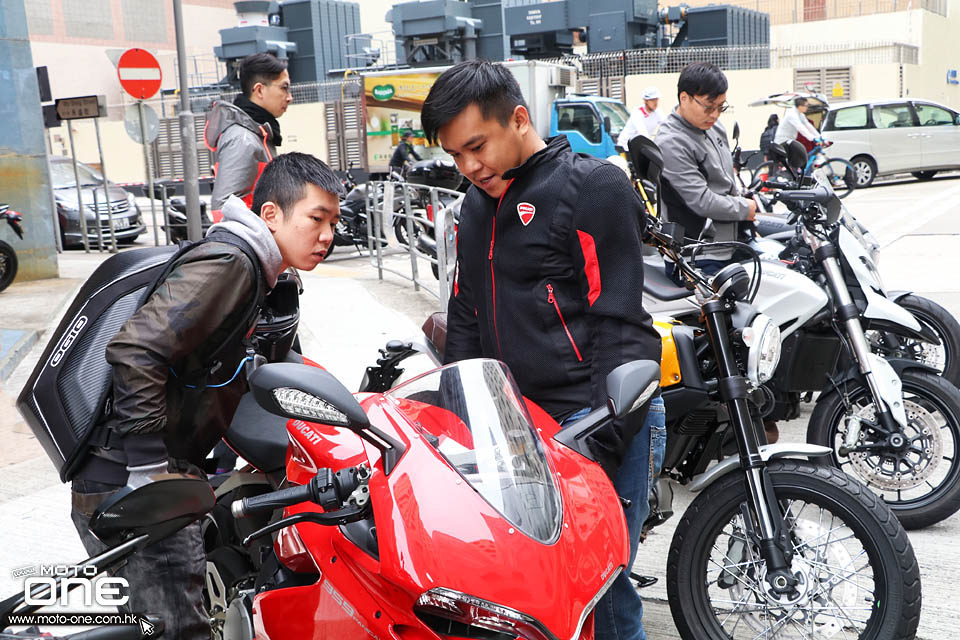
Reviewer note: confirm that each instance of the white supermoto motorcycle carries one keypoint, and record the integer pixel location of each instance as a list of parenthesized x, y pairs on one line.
[(892, 423)]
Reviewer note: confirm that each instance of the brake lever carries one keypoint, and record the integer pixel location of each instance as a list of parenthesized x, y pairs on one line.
[(336, 518)]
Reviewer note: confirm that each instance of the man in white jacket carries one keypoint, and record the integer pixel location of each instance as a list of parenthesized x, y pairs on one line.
[(796, 122), (644, 120)]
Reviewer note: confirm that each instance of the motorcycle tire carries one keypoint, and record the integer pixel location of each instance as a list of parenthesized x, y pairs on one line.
[(8, 265), (863, 520), (933, 416), (945, 357)]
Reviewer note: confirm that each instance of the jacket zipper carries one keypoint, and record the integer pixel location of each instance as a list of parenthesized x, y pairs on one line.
[(493, 279), (553, 300)]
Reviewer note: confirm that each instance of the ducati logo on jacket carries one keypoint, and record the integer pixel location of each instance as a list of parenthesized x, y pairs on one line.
[(526, 212)]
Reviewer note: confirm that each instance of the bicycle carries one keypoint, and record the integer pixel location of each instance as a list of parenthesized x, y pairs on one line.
[(840, 173)]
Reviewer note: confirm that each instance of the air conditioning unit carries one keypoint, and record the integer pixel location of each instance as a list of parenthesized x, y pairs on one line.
[(562, 77)]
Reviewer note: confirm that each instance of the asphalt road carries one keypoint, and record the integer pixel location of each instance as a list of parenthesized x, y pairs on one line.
[(347, 313)]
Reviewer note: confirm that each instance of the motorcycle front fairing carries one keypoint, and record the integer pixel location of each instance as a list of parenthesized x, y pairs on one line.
[(482, 503)]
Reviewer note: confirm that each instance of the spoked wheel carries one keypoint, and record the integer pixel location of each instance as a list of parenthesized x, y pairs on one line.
[(841, 175), (8, 265), (920, 480), (856, 573), (944, 357)]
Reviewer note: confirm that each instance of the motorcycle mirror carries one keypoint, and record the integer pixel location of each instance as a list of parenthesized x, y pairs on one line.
[(646, 158), (736, 132), (303, 392), (158, 508), (796, 155), (777, 151), (631, 385)]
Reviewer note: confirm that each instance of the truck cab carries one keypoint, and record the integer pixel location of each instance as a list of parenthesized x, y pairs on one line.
[(591, 123)]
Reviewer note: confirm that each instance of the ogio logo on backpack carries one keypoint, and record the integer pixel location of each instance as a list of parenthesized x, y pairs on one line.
[(68, 341)]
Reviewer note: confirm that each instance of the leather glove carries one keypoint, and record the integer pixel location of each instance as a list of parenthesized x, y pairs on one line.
[(143, 474)]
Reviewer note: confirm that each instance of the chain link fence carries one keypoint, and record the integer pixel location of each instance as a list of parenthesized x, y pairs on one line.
[(671, 60)]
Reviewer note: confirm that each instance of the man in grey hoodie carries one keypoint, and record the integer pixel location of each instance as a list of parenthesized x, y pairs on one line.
[(698, 179), (166, 417), (244, 135)]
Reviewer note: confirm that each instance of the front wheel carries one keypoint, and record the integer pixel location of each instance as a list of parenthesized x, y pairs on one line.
[(8, 265), (919, 481), (857, 576), (944, 357), (841, 175)]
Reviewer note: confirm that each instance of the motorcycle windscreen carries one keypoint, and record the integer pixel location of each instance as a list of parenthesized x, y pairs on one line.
[(473, 414)]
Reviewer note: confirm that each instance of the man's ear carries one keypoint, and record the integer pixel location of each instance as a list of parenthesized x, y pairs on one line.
[(520, 118), (272, 215)]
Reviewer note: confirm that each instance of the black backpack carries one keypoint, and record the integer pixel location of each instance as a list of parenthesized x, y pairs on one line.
[(67, 396)]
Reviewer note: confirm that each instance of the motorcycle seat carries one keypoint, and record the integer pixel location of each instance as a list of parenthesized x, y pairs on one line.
[(258, 436), (658, 285)]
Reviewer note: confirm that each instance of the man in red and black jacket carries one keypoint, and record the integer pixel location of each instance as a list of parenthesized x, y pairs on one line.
[(549, 276)]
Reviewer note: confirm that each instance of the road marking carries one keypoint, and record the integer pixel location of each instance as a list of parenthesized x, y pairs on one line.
[(925, 210)]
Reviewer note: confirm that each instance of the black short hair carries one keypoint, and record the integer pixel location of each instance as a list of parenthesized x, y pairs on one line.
[(799, 102), (285, 178), (702, 79), (259, 67), (489, 85)]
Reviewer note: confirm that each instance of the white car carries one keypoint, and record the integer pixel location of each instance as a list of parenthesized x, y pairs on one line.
[(882, 137)]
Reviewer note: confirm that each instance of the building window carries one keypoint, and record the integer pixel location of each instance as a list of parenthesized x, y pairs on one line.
[(39, 18), (145, 20), (88, 19)]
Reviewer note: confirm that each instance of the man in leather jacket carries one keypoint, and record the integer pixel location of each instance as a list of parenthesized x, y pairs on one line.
[(549, 278), (158, 422), (244, 136)]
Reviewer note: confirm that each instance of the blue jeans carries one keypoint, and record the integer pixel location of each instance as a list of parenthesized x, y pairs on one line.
[(618, 615)]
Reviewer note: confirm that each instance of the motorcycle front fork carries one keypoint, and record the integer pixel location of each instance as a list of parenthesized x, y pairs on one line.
[(846, 311), (762, 517)]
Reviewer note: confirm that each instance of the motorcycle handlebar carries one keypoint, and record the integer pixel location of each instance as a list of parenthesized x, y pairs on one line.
[(321, 489), (327, 489)]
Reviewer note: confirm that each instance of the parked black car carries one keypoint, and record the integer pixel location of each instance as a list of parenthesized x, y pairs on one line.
[(127, 221)]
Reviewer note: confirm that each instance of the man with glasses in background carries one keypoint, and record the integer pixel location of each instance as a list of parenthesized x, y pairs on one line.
[(698, 179), (244, 135)]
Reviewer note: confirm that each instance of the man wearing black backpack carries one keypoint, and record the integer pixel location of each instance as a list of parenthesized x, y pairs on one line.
[(178, 371)]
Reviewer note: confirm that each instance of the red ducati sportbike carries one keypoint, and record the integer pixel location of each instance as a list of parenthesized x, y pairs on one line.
[(448, 506)]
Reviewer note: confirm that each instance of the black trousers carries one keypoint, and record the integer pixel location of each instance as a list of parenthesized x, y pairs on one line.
[(166, 579)]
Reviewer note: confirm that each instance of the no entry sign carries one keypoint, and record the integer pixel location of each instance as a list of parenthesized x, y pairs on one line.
[(139, 73)]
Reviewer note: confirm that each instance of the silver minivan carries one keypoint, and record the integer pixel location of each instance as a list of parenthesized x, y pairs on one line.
[(882, 137)]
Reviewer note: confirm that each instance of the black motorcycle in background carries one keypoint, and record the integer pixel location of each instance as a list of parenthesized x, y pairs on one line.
[(8, 257)]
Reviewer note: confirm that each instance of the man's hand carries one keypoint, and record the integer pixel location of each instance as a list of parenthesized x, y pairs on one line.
[(753, 210)]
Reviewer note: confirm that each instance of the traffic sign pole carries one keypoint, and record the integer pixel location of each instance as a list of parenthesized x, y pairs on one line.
[(106, 191), (146, 161), (76, 178)]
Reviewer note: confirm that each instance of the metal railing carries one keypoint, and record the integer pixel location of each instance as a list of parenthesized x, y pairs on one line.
[(794, 11), (423, 238)]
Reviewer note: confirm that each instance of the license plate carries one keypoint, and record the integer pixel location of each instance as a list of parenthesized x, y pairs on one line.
[(121, 223)]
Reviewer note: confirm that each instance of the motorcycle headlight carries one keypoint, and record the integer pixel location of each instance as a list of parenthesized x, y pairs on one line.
[(762, 339), (449, 612)]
